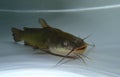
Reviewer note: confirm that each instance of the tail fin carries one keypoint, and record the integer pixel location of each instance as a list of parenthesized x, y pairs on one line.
[(16, 34)]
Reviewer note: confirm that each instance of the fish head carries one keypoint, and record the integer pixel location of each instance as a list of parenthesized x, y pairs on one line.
[(77, 46)]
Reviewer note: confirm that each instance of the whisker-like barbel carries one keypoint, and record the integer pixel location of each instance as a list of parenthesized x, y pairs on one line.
[(65, 56)]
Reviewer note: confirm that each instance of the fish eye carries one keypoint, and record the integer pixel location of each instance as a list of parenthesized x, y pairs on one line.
[(66, 43)]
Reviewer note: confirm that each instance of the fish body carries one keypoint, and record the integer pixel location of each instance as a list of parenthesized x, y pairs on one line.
[(51, 40)]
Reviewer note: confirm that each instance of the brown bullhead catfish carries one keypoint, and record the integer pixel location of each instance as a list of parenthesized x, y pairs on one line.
[(51, 40)]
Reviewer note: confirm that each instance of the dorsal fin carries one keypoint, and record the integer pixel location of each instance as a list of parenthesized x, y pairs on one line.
[(43, 23)]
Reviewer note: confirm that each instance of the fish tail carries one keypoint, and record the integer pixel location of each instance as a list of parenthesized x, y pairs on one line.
[(16, 34)]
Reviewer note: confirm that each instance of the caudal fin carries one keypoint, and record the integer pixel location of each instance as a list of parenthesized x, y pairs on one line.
[(16, 34)]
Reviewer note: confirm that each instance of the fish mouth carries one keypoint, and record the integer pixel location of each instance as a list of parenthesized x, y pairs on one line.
[(81, 48)]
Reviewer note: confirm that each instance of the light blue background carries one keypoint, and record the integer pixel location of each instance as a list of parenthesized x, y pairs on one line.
[(103, 24)]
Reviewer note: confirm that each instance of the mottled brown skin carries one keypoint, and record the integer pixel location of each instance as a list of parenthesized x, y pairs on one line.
[(48, 37)]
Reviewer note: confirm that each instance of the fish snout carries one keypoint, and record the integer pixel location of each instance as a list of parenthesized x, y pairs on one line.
[(80, 49)]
